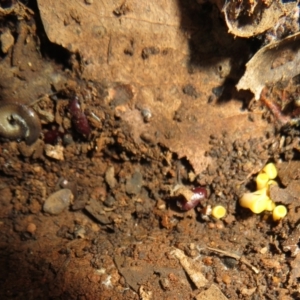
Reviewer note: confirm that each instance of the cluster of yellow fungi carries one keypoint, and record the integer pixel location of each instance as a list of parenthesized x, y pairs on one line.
[(259, 200)]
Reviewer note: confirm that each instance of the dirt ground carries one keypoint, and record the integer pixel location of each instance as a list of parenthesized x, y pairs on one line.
[(134, 100)]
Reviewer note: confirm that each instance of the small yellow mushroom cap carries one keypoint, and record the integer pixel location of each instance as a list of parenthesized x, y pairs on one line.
[(259, 205), (262, 180), (279, 212), (218, 211), (270, 170), (270, 205), (272, 182), (256, 201)]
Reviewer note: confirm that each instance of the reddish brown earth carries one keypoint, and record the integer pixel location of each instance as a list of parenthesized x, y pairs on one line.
[(117, 231)]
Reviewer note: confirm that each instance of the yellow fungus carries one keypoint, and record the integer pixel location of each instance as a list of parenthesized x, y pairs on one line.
[(218, 211), (270, 170), (279, 212), (259, 205), (270, 205), (272, 182), (262, 180), (256, 201), (259, 200)]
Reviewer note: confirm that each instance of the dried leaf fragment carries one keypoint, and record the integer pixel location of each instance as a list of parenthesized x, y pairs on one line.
[(249, 18), (272, 63)]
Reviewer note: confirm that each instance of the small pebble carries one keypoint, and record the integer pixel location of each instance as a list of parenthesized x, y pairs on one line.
[(226, 279), (230, 262), (148, 138), (264, 250), (134, 184), (146, 114), (31, 228), (165, 283), (58, 201), (194, 253), (110, 201), (110, 177), (161, 205), (55, 152), (211, 225), (67, 139), (208, 261), (80, 233), (192, 246)]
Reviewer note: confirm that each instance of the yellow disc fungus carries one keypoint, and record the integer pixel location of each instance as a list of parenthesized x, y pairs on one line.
[(270, 170), (256, 201), (259, 201), (279, 212), (262, 180), (270, 205), (272, 182), (218, 211)]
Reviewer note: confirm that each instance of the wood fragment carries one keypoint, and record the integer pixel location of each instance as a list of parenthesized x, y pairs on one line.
[(193, 270)]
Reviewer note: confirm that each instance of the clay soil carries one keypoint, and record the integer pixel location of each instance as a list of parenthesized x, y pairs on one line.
[(123, 236)]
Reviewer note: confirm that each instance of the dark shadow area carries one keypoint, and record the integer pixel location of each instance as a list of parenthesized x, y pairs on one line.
[(28, 273), (48, 49), (210, 42)]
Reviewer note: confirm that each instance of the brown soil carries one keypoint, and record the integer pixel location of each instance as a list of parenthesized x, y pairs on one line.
[(120, 234)]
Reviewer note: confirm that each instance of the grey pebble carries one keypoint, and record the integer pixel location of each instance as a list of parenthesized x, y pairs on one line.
[(110, 201), (134, 184), (58, 202)]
